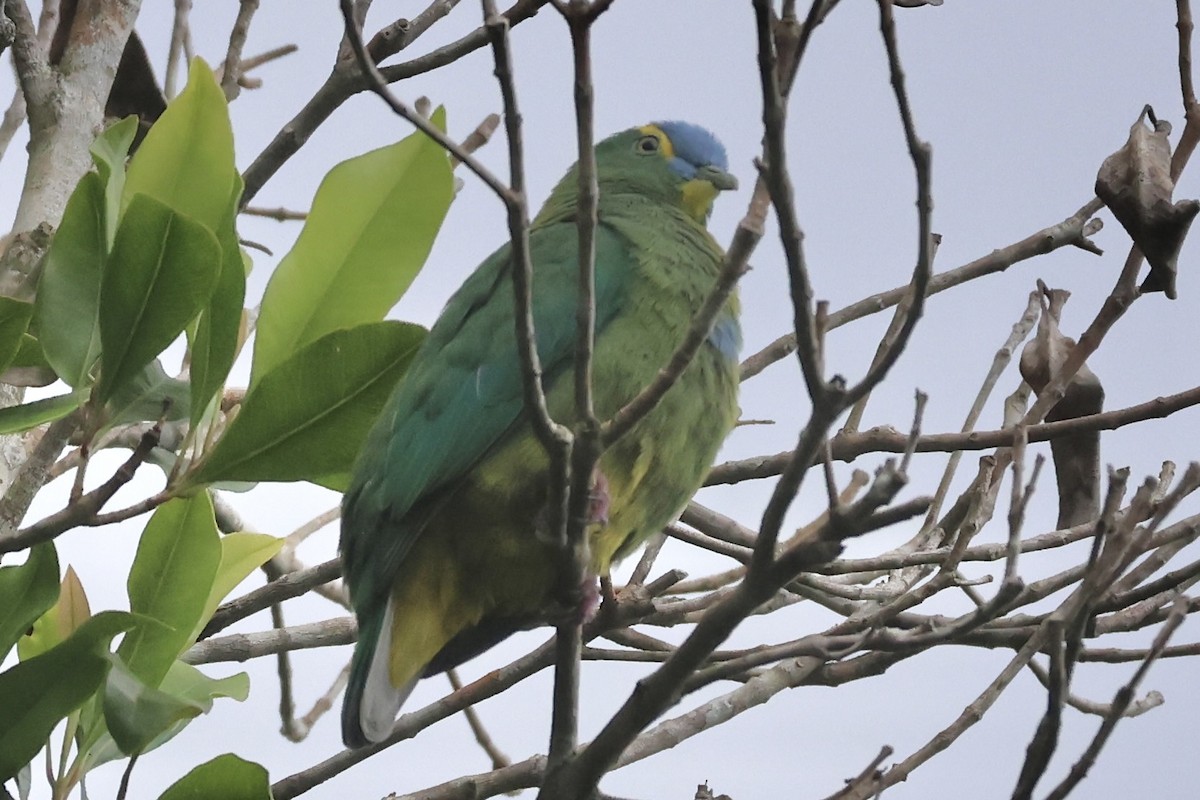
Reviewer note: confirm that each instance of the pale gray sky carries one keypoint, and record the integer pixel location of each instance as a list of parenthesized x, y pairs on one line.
[(1021, 101)]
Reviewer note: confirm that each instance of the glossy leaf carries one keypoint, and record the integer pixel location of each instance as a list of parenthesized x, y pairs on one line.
[(187, 683), (161, 272), (137, 714), (36, 694), (30, 353), (26, 592), (109, 152), (215, 345), (241, 554), (147, 396), (227, 777), (186, 160), (308, 418), (14, 320), (372, 224), (14, 419), (67, 615), (169, 583), (29, 367), (67, 310), (183, 682)]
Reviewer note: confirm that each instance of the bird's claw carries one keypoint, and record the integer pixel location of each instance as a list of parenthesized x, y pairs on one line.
[(579, 608)]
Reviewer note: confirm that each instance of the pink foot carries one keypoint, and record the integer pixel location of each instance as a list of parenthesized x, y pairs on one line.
[(589, 600), (578, 608), (598, 499)]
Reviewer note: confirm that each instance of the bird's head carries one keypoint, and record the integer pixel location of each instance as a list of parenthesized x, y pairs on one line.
[(673, 162)]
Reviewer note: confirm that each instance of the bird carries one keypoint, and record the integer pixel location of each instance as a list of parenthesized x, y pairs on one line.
[(443, 541)]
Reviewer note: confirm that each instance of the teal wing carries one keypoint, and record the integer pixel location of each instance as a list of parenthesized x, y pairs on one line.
[(462, 393)]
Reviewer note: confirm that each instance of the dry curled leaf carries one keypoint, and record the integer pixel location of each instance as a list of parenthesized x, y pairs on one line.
[(705, 793), (1135, 183), (135, 90), (1076, 456)]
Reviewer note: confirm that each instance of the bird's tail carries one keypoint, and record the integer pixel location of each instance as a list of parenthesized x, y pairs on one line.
[(371, 703)]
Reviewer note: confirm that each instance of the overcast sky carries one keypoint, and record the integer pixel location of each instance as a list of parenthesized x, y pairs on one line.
[(1021, 101)]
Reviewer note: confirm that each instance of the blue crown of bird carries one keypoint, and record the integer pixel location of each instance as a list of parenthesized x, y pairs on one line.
[(443, 540)]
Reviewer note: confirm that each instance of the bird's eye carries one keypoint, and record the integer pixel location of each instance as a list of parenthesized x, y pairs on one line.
[(647, 144)]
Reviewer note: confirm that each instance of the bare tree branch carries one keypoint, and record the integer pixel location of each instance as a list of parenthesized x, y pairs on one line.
[(232, 68)]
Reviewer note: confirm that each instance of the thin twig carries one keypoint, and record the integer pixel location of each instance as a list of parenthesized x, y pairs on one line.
[(179, 35), (290, 585), (86, 510), (277, 214), (969, 716), (1073, 230), (266, 57), (376, 83), (301, 727), (869, 775), (232, 71), (482, 737), (393, 38), (847, 447), (245, 646), (14, 116), (344, 83), (1124, 697)]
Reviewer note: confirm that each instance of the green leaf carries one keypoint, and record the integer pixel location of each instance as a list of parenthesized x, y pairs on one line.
[(30, 353), (241, 554), (137, 714), (147, 396), (171, 578), (218, 331), (26, 592), (36, 694), (14, 419), (186, 160), (14, 320), (187, 684), (309, 417), (227, 777), (184, 680), (161, 272), (67, 310), (372, 224), (68, 614), (108, 154)]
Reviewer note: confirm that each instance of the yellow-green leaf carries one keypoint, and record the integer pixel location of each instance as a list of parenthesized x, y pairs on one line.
[(241, 554), (372, 224), (186, 160), (169, 583), (61, 620)]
